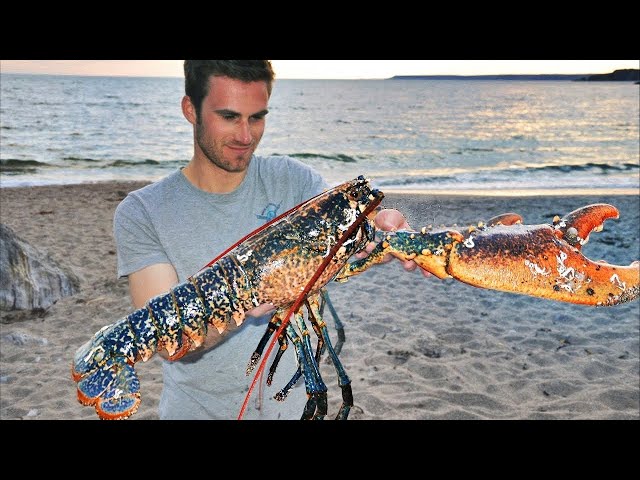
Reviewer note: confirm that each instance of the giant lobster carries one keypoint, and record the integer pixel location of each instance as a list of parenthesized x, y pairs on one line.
[(288, 261)]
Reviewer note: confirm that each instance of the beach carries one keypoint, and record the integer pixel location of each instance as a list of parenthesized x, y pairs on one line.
[(416, 348)]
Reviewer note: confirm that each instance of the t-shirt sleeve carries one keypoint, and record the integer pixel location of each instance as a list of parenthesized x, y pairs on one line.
[(318, 184), (312, 182), (137, 242)]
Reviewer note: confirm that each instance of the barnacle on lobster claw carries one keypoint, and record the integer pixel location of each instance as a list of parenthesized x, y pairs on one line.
[(539, 260)]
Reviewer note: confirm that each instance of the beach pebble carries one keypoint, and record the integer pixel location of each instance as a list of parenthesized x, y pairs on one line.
[(563, 318), (22, 339)]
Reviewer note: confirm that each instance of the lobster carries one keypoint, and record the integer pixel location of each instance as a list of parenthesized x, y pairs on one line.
[(289, 260)]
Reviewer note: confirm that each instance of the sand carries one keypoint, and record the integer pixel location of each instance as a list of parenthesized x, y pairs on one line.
[(417, 348)]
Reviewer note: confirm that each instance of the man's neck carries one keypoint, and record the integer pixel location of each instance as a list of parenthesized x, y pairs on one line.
[(210, 178)]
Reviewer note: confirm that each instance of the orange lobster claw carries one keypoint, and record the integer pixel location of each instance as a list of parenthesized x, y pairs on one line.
[(545, 261), (538, 260)]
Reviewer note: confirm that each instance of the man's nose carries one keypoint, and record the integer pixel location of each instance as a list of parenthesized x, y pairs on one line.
[(243, 133)]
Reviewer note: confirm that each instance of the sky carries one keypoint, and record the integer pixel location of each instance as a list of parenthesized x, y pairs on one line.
[(326, 69)]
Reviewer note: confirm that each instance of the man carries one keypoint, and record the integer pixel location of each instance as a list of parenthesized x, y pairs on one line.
[(167, 231)]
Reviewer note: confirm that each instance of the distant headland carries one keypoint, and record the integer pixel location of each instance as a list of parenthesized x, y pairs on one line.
[(625, 75)]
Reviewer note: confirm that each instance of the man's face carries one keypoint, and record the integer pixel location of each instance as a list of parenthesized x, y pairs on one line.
[(231, 122)]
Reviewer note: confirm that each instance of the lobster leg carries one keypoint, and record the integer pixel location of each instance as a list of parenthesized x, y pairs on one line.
[(272, 326), (316, 407), (314, 308), (306, 359), (313, 304), (338, 324), (318, 393), (282, 340), (282, 394), (324, 341)]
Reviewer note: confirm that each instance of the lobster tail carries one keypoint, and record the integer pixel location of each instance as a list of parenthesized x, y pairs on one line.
[(103, 368), (113, 389)]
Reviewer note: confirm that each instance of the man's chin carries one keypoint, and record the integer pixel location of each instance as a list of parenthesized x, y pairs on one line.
[(236, 165)]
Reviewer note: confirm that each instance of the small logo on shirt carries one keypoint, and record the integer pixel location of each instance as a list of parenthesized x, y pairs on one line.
[(269, 212)]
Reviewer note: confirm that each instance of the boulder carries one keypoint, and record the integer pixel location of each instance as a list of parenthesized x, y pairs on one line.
[(29, 278)]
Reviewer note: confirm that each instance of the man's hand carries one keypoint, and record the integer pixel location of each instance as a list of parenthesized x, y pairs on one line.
[(391, 220)]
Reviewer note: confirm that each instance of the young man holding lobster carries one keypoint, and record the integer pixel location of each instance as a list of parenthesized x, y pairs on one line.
[(167, 231)]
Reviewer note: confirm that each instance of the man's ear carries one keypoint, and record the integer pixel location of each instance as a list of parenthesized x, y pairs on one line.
[(188, 110)]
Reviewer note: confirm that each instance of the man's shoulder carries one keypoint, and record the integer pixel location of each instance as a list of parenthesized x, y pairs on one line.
[(280, 174), (282, 165), (277, 159), (157, 187)]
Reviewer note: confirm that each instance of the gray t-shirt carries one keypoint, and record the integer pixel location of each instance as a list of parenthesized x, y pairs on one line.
[(172, 221)]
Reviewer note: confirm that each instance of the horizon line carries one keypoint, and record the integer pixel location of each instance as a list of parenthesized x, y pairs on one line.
[(354, 78)]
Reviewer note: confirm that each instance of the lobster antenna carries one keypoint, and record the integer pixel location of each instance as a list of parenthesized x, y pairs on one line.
[(356, 224)]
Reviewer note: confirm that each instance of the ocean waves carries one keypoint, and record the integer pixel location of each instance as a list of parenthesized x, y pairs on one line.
[(340, 157), (337, 168), (437, 135), (588, 175), (72, 170)]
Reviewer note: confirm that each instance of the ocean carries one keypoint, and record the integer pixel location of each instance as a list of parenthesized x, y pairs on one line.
[(447, 136)]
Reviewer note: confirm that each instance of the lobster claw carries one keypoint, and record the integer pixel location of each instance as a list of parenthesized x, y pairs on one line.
[(503, 254), (545, 261), (437, 246)]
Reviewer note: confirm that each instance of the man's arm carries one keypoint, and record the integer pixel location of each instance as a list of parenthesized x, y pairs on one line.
[(151, 281)]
